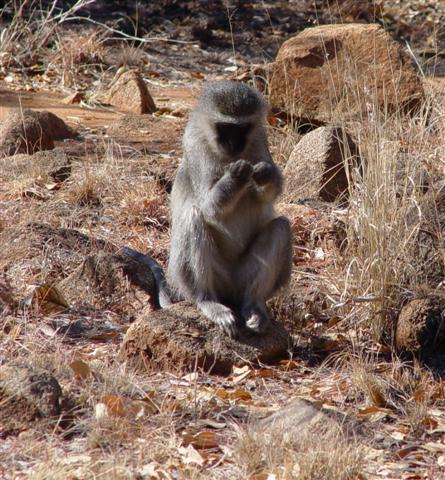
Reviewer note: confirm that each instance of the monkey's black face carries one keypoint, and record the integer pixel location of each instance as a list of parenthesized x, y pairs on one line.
[(232, 137)]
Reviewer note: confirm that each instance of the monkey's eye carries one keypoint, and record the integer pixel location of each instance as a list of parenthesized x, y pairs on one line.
[(232, 136)]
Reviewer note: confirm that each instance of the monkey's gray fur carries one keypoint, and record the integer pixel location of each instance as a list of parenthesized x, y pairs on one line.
[(229, 251)]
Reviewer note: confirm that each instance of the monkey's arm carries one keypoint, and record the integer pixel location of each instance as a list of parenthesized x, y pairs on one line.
[(222, 197), (267, 181)]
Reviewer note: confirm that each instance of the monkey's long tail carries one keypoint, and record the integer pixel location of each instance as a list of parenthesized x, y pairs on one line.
[(162, 289)]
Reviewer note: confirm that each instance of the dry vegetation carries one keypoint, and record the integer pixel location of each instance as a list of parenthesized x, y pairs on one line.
[(341, 307)]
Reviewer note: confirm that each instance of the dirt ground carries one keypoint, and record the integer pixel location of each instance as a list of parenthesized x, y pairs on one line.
[(109, 420)]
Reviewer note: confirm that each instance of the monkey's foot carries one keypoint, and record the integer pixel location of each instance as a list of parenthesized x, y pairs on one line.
[(256, 318), (221, 315)]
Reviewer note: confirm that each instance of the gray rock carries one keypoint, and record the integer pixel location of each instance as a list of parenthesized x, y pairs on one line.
[(316, 167)]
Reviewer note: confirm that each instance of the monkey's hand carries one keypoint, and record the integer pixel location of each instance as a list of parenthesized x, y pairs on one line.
[(241, 171), (263, 173)]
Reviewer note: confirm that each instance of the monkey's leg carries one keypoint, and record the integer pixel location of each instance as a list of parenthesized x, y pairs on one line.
[(265, 268), (208, 276)]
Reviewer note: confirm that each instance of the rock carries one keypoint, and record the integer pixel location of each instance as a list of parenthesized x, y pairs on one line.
[(180, 338), (74, 98), (421, 328), (28, 131), (131, 126), (7, 294), (27, 395), (332, 71), (316, 166), (428, 259), (130, 94), (112, 281), (37, 253), (46, 166), (55, 126), (301, 417)]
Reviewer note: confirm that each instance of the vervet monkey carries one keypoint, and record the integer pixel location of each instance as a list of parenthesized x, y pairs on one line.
[(229, 250)]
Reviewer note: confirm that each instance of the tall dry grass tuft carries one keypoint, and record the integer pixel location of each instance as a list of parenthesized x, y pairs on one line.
[(399, 148), (386, 192), (385, 214)]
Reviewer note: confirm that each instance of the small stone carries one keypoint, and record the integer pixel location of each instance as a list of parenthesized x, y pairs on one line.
[(74, 98)]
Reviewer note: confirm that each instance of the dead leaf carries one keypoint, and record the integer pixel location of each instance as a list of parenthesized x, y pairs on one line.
[(52, 186), (47, 298), (206, 422), (241, 373), (289, 364), (404, 452), (238, 394), (433, 447), (201, 440), (263, 373), (190, 455), (15, 332), (191, 377), (80, 368), (117, 406), (35, 192), (430, 423), (333, 321), (397, 435), (368, 410)]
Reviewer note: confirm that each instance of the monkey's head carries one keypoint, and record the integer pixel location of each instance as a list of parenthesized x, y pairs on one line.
[(234, 112)]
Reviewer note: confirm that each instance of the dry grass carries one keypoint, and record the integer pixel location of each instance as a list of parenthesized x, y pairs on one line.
[(31, 29), (309, 456), (110, 195)]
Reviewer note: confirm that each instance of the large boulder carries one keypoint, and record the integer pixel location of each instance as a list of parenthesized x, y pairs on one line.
[(29, 131), (341, 70), (130, 94), (316, 166), (179, 338)]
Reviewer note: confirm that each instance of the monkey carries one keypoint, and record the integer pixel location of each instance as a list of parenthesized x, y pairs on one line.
[(229, 251)]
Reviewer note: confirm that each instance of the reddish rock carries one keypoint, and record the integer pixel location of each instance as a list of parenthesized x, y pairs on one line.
[(74, 98), (179, 338), (28, 131), (130, 94), (341, 70), (420, 327)]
